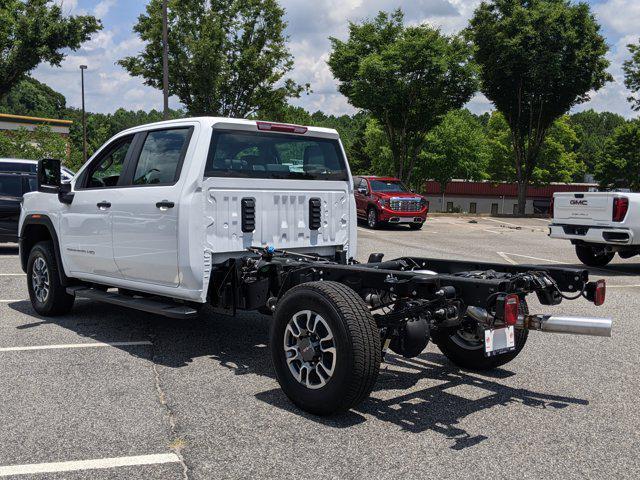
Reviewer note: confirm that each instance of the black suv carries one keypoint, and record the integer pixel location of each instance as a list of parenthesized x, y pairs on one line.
[(17, 177)]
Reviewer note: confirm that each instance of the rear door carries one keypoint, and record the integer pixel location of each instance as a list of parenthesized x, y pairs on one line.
[(145, 214), (583, 208), (11, 191), (286, 190)]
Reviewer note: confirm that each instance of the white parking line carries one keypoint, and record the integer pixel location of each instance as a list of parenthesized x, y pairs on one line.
[(12, 274), (508, 259), (622, 286), (527, 256), (101, 463), (14, 300), (74, 345)]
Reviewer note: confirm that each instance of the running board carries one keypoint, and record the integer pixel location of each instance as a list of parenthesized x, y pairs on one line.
[(158, 307)]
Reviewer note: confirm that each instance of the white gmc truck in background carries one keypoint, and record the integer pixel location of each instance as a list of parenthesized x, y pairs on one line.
[(599, 224)]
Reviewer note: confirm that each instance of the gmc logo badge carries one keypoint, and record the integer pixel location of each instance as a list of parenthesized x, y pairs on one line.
[(579, 202)]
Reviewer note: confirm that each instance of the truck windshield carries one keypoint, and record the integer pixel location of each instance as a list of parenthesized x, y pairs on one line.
[(273, 155), (388, 186)]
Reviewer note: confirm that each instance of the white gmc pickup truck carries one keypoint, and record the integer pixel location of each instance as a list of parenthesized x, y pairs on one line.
[(245, 215), (599, 224)]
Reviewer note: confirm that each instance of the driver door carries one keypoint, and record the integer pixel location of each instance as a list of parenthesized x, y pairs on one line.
[(86, 224)]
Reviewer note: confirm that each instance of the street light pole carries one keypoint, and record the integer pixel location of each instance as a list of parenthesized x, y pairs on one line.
[(84, 117), (165, 59)]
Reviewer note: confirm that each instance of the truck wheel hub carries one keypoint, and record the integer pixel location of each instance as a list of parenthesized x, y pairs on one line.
[(310, 349), (40, 279)]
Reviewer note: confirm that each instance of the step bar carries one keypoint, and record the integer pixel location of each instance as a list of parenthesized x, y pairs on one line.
[(158, 307)]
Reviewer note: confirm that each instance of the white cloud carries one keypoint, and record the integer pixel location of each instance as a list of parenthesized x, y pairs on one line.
[(103, 7), (621, 16)]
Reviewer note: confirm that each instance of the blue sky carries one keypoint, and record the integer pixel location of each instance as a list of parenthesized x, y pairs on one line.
[(310, 23)]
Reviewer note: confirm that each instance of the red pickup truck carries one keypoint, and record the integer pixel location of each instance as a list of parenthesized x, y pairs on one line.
[(387, 200)]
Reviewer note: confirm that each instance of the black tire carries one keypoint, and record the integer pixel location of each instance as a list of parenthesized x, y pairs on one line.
[(593, 256), (469, 355), (415, 226), (56, 301), (356, 341), (372, 218)]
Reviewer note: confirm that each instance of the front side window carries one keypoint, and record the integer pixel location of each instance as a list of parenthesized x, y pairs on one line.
[(10, 186), (161, 156), (106, 172), (389, 186), (270, 155)]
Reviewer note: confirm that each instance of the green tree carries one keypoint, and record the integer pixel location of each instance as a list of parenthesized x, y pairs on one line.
[(457, 148), (407, 78), (631, 70), (621, 166), (33, 145), (30, 97), (593, 129), (36, 31), (226, 57), (538, 58)]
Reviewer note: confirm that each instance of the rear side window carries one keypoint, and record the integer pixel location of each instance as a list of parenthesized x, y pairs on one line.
[(10, 186), (161, 157), (272, 155)]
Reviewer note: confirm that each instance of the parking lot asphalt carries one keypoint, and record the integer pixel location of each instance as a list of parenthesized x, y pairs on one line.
[(110, 393)]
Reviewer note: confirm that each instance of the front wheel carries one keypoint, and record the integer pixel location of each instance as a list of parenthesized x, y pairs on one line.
[(372, 218), (48, 296), (593, 256), (325, 347), (464, 345)]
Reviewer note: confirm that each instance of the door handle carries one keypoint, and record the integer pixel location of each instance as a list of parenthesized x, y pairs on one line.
[(165, 205), (103, 205)]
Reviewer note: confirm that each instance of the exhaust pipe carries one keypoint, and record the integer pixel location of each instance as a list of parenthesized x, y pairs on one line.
[(596, 327)]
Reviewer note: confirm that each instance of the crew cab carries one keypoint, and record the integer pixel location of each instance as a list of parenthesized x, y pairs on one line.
[(599, 224), (386, 200), (258, 216)]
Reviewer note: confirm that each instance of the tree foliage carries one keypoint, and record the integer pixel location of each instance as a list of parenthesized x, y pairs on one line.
[(36, 31), (621, 166), (226, 57), (31, 97), (631, 70), (406, 77), (538, 59), (457, 148), (34, 145)]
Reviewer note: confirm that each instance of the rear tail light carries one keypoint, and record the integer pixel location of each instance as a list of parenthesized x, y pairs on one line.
[(281, 127), (620, 207), (553, 201), (600, 292), (511, 309)]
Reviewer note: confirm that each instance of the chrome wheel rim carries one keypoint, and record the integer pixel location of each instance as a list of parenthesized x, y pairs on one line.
[(40, 280), (310, 349), (372, 218)]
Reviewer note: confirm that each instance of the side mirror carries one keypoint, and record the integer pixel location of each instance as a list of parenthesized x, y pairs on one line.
[(49, 175), (363, 191)]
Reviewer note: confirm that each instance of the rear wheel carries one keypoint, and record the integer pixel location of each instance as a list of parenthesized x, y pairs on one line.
[(593, 256), (325, 347), (464, 344), (48, 296)]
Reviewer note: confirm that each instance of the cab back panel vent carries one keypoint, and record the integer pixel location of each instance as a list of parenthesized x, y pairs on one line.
[(248, 215), (315, 213)]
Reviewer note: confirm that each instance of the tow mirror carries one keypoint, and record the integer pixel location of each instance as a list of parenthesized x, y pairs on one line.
[(49, 175)]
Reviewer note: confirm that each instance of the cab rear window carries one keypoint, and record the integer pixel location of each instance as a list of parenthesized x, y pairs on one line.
[(274, 155)]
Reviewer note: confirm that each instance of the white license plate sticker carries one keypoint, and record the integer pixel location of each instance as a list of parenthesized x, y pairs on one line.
[(499, 340)]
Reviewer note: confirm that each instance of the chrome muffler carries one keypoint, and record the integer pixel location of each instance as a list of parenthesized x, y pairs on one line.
[(593, 326)]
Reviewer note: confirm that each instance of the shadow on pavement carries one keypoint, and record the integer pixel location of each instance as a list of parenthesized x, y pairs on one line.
[(240, 344)]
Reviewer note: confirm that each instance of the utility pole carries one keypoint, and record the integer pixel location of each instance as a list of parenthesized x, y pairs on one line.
[(84, 117), (165, 59)]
